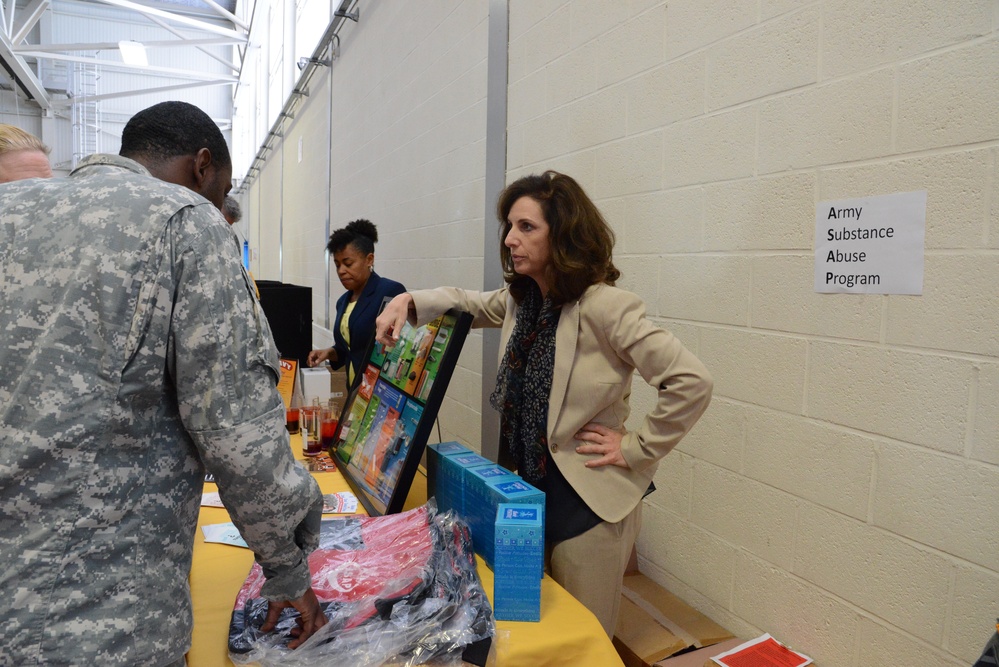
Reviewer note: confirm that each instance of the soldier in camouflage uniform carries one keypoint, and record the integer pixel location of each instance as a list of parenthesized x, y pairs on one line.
[(133, 358)]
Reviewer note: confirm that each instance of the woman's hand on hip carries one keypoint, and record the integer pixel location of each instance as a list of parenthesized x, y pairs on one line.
[(605, 442)]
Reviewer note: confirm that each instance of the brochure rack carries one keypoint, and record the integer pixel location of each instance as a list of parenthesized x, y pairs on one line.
[(389, 413)]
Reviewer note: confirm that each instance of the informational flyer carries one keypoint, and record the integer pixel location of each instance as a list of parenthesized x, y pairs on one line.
[(224, 533), (286, 383), (872, 245), (211, 499), (343, 502), (764, 651)]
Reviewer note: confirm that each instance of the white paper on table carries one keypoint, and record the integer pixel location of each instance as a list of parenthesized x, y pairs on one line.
[(764, 651), (343, 502), (224, 533), (211, 499)]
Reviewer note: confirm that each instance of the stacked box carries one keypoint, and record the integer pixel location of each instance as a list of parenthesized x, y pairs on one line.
[(449, 479), (455, 469), (481, 524), (483, 496), (519, 547), (434, 452)]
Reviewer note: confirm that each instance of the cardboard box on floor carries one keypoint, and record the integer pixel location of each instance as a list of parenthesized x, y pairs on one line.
[(700, 657), (654, 624)]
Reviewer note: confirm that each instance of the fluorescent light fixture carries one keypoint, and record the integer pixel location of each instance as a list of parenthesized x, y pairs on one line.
[(132, 52)]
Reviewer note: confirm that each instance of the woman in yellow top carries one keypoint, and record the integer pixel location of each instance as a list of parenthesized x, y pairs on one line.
[(353, 250)]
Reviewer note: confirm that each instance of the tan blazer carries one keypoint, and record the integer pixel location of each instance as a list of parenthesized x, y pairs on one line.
[(601, 339)]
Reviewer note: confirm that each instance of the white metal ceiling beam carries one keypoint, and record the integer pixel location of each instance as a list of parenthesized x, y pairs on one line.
[(170, 16), (109, 46), (34, 13), (22, 74), (226, 14), (142, 91), (148, 69), (172, 30)]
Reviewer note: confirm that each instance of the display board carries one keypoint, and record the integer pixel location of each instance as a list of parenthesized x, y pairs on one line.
[(390, 411)]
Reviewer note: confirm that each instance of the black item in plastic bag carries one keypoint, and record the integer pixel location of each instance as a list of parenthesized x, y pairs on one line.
[(400, 588)]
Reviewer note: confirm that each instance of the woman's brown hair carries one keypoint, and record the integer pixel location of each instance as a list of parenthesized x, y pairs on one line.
[(581, 240)]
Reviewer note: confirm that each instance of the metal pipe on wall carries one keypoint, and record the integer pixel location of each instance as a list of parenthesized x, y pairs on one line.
[(492, 270)]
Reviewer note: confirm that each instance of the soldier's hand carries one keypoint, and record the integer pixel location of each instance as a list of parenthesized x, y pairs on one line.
[(310, 619)]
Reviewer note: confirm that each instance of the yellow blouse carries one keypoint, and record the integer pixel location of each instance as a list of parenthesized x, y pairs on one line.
[(345, 332)]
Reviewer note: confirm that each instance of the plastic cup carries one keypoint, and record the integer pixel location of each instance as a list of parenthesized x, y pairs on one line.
[(329, 418), (309, 420), (291, 420)]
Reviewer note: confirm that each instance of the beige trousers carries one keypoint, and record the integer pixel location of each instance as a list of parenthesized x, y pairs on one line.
[(591, 566)]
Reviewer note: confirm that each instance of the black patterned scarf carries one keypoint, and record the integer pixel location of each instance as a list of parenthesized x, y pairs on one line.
[(524, 383)]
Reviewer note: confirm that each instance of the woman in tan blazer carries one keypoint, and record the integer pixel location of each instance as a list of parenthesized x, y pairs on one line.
[(571, 344)]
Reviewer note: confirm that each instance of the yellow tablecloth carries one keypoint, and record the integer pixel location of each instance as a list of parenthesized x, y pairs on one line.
[(568, 633)]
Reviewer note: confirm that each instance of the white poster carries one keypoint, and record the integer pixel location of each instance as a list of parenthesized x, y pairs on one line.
[(872, 245)]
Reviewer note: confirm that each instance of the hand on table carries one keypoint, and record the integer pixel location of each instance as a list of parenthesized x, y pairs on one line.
[(311, 617)]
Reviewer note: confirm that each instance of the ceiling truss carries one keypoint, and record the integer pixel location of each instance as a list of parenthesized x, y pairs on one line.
[(207, 25)]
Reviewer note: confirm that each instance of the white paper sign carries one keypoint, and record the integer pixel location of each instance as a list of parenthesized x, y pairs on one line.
[(211, 499), (223, 533), (872, 245)]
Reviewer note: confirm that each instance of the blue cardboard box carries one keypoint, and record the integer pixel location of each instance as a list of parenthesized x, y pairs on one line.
[(483, 495), (492, 472), (519, 555), (481, 515), (454, 470), (436, 451), (449, 480)]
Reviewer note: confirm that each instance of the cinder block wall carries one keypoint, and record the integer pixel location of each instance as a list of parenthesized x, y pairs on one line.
[(305, 175), (841, 492), (408, 152)]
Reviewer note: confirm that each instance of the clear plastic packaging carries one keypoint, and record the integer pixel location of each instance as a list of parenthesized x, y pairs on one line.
[(398, 590)]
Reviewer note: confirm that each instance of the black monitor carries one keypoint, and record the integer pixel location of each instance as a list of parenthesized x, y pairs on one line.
[(288, 309)]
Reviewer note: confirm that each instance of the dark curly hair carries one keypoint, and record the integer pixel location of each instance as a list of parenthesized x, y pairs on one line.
[(581, 240), (171, 129), (361, 233)]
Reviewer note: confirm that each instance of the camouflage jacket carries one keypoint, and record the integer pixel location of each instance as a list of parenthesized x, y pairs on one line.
[(133, 357)]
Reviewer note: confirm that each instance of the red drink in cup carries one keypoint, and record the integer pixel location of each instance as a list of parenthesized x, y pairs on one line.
[(309, 417), (327, 427), (291, 420)]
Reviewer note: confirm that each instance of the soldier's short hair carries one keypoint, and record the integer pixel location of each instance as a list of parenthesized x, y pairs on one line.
[(231, 209), (13, 138), (171, 129)]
